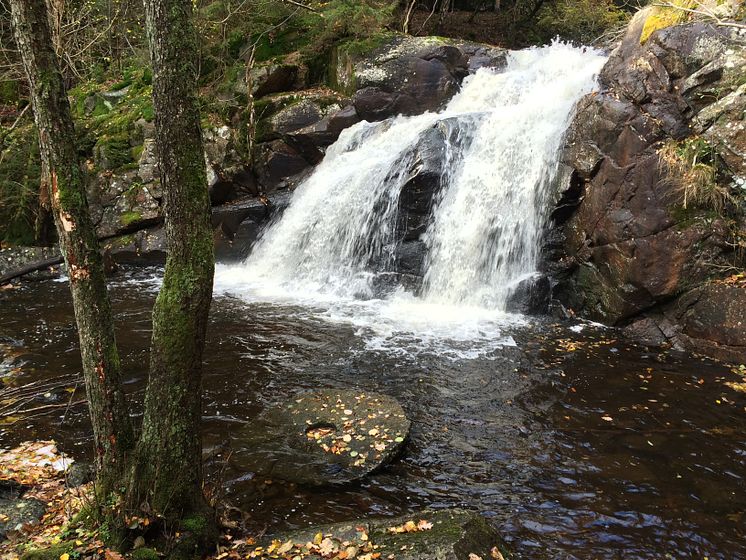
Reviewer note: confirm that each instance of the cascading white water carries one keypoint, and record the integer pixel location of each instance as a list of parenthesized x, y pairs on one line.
[(340, 231), (486, 231)]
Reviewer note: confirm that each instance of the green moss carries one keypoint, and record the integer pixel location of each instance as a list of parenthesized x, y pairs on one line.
[(51, 553), (147, 111), (144, 554), (113, 152), (196, 524), (129, 218), (10, 92), (20, 174), (137, 152), (665, 16), (360, 47)]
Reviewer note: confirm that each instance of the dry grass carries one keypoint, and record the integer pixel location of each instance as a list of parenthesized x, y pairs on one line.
[(690, 165)]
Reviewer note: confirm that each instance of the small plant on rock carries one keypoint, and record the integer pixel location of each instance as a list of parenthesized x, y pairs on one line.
[(694, 166)]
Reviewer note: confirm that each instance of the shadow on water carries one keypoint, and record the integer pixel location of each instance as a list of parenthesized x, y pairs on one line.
[(575, 444)]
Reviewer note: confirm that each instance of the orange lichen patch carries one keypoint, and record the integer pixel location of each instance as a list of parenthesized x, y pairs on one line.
[(67, 222), (79, 272), (55, 189)]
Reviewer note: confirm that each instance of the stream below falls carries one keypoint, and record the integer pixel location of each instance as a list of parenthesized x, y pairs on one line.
[(573, 442)]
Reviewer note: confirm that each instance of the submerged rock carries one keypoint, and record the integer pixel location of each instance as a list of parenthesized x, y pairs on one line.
[(427, 535), (329, 436)]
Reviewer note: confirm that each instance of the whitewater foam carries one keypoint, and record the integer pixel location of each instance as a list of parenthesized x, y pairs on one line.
[(340, 232)]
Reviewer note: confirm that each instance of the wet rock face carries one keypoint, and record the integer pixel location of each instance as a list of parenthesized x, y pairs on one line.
[(427, 535), (630, 244), (408, 79), (323, 437)]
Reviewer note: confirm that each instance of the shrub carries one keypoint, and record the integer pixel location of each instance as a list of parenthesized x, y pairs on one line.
[(582, 21), (20, 170)]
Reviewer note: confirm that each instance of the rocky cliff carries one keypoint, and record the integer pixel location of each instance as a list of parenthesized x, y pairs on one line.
[(649, 228)]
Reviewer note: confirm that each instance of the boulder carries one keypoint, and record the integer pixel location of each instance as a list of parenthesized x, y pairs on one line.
[(146, 247), (238, 225), (127, 205), (324, 437), (16, 513), (426, 535), (15, 258), (311, 141), (712, 319), (531, 296), (272, 77), (257, 209), (408, 75), (277, 163), (722, 124), (235, 246), (79, 473)]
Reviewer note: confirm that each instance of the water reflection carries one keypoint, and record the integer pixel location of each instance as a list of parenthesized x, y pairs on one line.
[(575, 444)]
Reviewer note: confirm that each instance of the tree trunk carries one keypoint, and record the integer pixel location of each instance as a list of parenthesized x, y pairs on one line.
[(78, 242), (167, 475)]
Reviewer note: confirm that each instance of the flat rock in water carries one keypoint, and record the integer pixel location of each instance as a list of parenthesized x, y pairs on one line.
[(427, 535), (323, 437)]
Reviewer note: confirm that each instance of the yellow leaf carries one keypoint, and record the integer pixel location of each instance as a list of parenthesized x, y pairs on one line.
[(285, 547), (65, 556), (496, 554)]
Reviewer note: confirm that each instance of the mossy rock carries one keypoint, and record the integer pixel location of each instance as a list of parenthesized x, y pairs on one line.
[(113, 152), (662, 17), (426, 535), (51, 553), (323, 437), (144, 553)]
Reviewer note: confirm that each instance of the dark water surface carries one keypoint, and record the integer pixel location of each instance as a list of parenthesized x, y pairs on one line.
[(574, 444)]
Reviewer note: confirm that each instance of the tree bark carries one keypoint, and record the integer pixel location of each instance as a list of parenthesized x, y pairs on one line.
[(167, 475), (78, 242)]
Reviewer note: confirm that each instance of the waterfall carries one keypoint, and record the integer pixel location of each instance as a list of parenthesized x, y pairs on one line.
[(339, 234)]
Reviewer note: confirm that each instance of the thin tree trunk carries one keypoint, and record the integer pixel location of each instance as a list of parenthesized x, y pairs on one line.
[(78, 242), (167, 474)]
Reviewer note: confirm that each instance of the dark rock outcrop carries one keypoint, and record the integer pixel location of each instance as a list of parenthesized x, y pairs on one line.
[(409, 75), (631, 243), (14, 258)]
